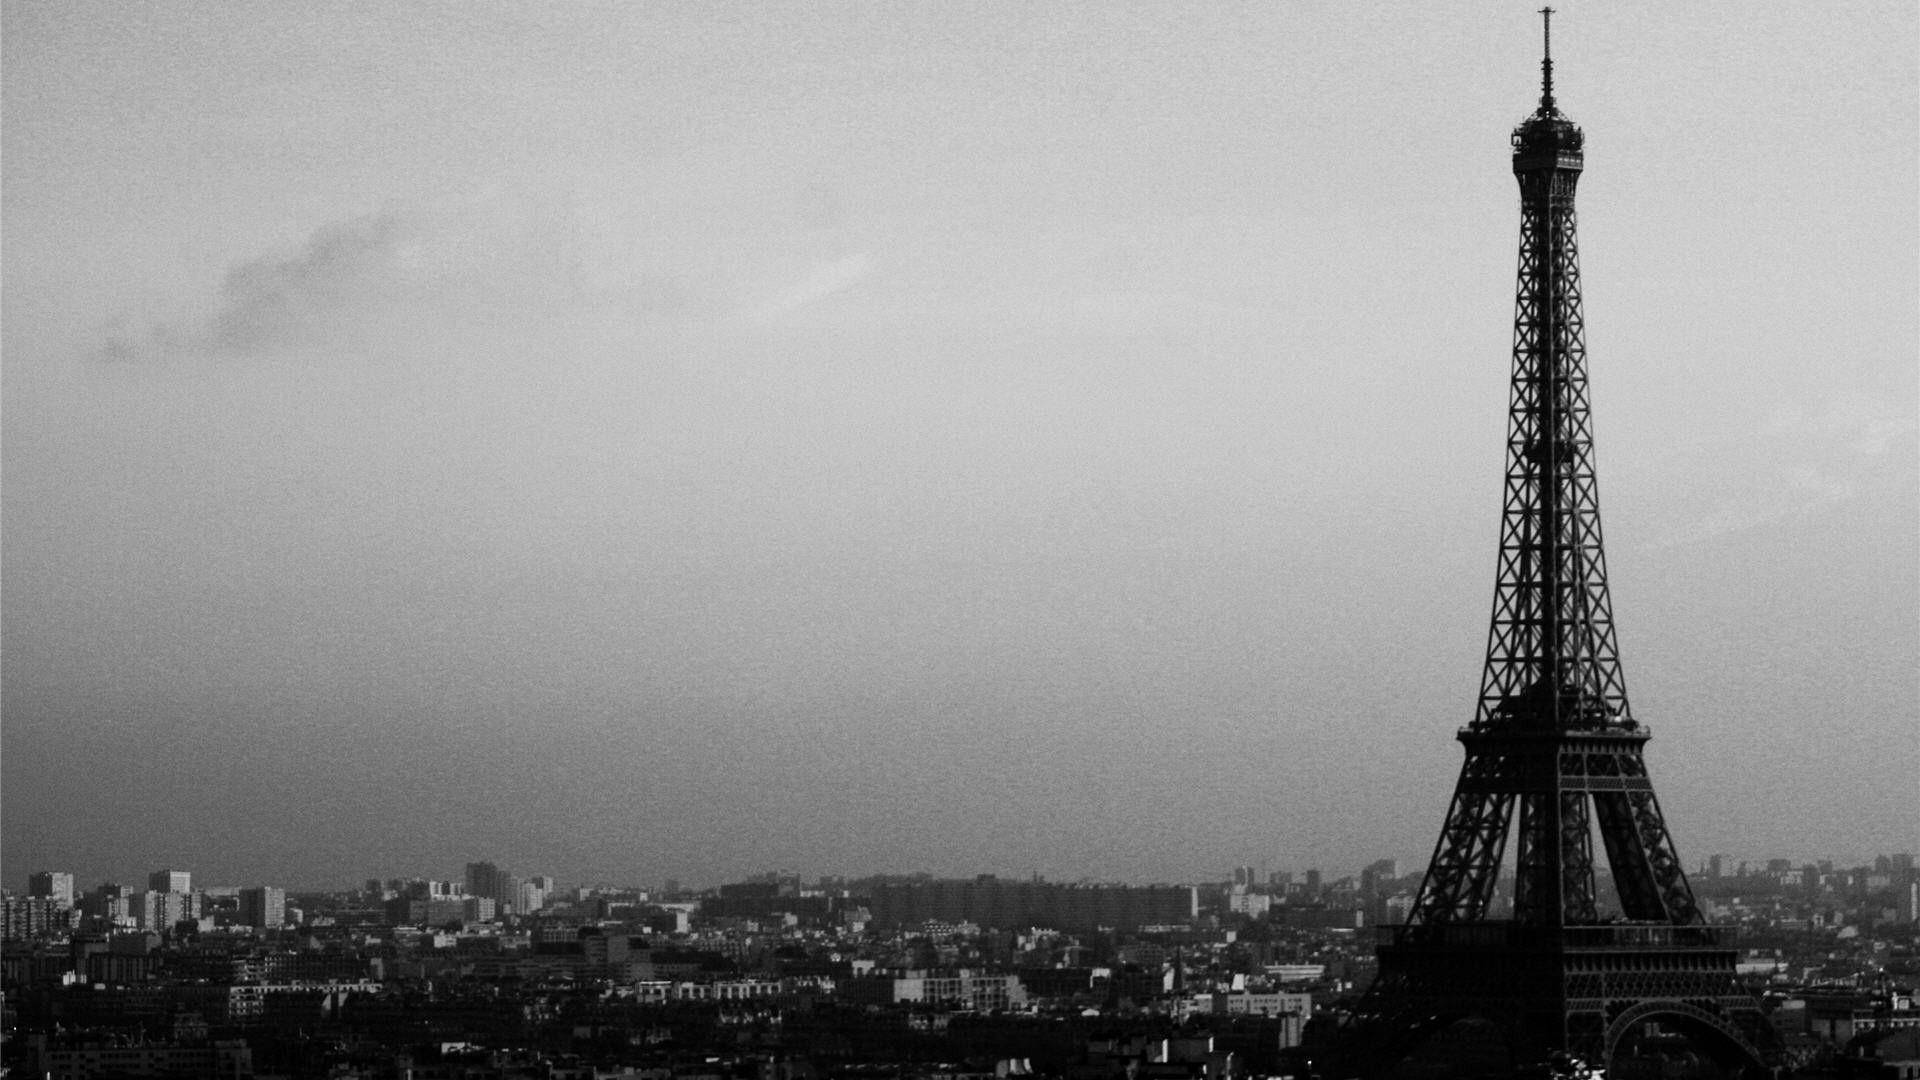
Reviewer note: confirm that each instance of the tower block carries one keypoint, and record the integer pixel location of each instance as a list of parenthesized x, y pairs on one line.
[(1553, 753)]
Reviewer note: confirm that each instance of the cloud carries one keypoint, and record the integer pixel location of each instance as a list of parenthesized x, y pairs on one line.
[(506, 257), (826, 279), (509, 254), (341, 264), (1802, 461)]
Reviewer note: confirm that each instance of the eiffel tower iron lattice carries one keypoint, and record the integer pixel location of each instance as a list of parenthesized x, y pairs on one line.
[(1553, 751)]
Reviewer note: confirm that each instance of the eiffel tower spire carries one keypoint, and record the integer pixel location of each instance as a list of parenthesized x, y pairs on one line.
[(1546, 61)]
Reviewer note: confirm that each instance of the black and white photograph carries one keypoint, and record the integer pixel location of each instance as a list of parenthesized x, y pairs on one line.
[(959, 540)]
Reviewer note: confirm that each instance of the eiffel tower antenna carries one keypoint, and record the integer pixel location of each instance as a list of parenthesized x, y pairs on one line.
[(1546, 60)]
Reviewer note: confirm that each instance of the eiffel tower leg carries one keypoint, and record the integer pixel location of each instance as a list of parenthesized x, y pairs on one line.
[(1466, 861), (1653, 887), (1576, 859), (1555, 865)]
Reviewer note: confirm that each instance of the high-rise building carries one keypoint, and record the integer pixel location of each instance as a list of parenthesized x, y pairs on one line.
[(57, 884), (263, 906), (109, 903), (483, 879), (180, 881), (155, 910), (25, 917)]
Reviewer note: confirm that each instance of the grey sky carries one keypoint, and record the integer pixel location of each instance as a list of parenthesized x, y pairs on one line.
[(637, 441)]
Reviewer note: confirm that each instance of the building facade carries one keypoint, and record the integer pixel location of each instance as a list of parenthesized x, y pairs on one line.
[(57, 884), (263, 906)]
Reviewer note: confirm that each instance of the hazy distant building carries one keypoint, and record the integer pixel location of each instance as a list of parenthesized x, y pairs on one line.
[(23, 917), (156, 910), (109, 903), (1397, 908), (1379, 875), (428, 889), (1254, 904), (1256, 1003), (418, 911), (218, 1057), (1318, 917), (764, 899), (482, 878), (980, 992), (180, 881), (1013, 905), (263, 906), (604, 950), (57, 884)]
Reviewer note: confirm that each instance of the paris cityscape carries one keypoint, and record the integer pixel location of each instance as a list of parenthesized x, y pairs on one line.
[(485, 482), (493, 973)]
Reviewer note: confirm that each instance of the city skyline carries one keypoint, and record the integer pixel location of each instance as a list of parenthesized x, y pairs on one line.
[(1352, 869), (985, 440)]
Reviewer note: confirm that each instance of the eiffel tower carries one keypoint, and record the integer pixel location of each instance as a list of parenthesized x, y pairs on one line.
[(1554, 750)]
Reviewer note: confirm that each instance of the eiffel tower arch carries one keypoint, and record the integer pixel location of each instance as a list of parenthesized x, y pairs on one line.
[(1553, 753)]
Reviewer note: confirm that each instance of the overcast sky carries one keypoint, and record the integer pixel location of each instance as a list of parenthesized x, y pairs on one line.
[(681, 440)]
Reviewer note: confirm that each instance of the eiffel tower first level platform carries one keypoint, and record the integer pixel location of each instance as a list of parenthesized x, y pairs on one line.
[(1554, 756)]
